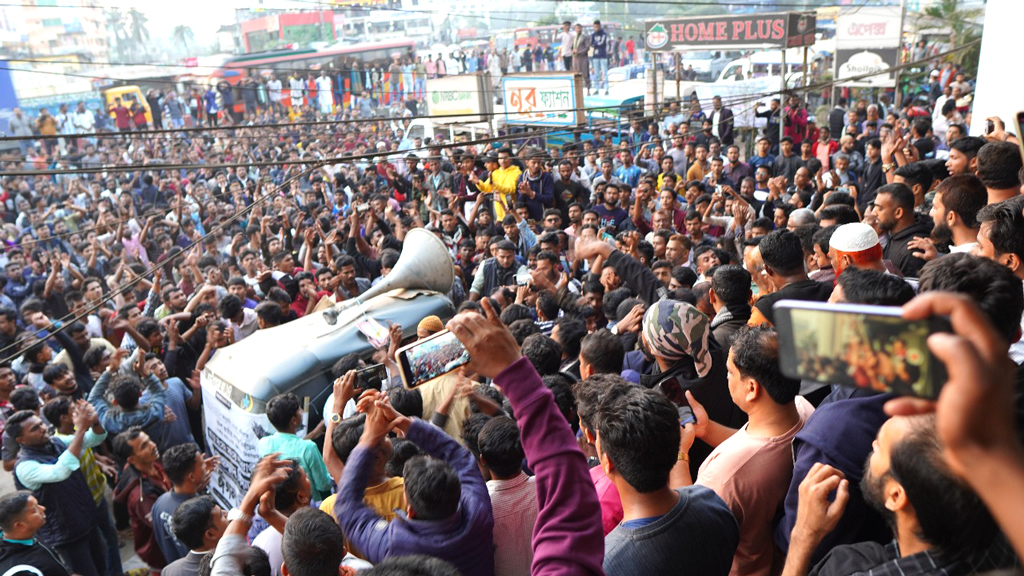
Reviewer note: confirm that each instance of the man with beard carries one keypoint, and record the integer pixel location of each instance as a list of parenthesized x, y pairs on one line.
[(939, 525), (567, 190), (955, 214), (497, 271), (894, 209)]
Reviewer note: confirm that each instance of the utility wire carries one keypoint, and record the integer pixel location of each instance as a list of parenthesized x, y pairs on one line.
[(526, 135), (138, 278), (130, 284), (745, 98), (306, 123)]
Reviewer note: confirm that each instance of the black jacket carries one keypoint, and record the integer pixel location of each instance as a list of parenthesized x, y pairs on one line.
[(70, 509), (637, 277), (723, 328), (897, 252), (30, 559), (870, 181), (712, 391), (836, 120)]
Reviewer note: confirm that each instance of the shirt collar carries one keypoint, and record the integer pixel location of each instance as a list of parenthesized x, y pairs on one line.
[(510, 483)]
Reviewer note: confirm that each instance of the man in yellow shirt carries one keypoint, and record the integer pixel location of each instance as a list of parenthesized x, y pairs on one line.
[(502, 181), (384, 494), (701, 166)]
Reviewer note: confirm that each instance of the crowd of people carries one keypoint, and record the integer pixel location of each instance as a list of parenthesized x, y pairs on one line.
[(623, 411), (348, 87)]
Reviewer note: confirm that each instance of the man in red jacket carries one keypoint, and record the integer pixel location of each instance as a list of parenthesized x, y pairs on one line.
[(122, 118), (141, 483)]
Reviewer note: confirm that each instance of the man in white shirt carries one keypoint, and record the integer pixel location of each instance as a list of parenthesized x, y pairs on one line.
[(513, 496), (274, 87), (297, 89), (324, 94), (83, 120), (566, 38)]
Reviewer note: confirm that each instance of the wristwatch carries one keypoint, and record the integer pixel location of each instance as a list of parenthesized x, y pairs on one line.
[(236, 514), (887, 167), (335, 418)]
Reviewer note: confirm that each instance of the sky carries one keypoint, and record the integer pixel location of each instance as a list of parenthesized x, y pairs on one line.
[(204, 16)]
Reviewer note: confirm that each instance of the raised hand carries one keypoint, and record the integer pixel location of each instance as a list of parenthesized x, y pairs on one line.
[(924, 248), (816, 514), (490, 345)]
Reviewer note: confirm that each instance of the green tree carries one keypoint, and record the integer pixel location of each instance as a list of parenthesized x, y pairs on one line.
[(963, 29), (184, 35), (138, 32), (116, 27)]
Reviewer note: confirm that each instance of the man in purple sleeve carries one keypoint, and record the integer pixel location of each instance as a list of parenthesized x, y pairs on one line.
[(567, 538), (448, 513)]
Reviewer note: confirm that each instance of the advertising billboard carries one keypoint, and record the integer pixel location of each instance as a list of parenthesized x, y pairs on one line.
[(543, 99), (463, 98), (867, 41), (787, 29)]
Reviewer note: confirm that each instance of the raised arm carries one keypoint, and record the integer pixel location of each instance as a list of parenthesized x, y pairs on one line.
[(568, 516)]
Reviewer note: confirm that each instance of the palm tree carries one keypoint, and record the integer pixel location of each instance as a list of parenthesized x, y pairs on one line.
[(116, 27), (139, 32), (962, 23), (183, 35)]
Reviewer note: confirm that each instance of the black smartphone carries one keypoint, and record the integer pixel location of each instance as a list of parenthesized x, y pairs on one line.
[(1018, 121), (371, 377), (859, 345), (990, 127), (431, 357)]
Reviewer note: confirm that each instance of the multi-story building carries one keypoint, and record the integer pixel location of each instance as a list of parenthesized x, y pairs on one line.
[(49, 30)]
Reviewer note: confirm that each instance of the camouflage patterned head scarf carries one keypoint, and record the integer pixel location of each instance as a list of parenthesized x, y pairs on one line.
[(674, 329)]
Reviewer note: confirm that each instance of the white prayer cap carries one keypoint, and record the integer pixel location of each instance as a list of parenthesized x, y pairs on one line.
[(855, 237)]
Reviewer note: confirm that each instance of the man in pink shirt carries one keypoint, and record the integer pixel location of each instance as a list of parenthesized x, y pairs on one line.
[(751, 468), (588, 394)]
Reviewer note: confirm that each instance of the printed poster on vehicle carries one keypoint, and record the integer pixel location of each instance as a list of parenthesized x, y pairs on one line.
[(233, 430)]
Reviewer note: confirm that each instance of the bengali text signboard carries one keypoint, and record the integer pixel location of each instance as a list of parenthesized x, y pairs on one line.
[(867, 41), (543, 99)]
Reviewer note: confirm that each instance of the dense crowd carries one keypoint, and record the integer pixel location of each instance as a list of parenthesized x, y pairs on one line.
[(347, 88), (623, 412)]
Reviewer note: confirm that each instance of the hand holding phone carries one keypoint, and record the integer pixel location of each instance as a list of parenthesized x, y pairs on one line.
[(975, 412), (487, 340), (1018, 121), (431, 357), (371, 377)]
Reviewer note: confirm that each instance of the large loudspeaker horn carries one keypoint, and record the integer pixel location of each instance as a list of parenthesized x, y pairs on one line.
[(423, 265)]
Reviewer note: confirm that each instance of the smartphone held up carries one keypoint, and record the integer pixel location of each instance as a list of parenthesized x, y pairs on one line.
[(431, 357), (863, 346), (372, 377)]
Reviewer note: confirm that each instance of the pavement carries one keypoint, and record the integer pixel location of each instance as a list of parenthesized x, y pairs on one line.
[(129, 560)]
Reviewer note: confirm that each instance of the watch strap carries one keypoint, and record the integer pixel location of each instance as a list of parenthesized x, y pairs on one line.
[(237, 514)]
